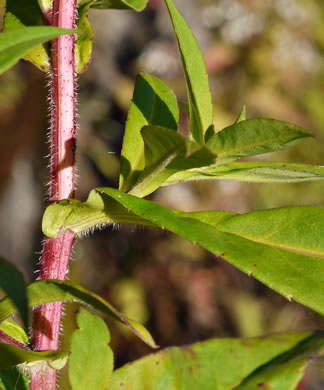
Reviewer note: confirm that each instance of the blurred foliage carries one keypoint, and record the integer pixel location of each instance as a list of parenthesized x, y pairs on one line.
[(266, 54)]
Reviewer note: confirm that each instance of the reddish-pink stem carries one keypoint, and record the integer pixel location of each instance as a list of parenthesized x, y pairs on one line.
[(56, 251), (63, 104)]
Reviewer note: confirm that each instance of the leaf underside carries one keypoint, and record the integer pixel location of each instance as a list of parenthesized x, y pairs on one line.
[(252, 172)]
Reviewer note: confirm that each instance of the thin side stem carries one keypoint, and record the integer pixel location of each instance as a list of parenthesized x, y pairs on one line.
[(56, 251)]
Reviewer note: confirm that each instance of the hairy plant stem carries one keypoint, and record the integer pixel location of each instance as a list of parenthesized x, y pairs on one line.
[(57, 250)]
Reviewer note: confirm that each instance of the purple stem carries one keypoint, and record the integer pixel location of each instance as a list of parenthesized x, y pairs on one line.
[(57, 250)]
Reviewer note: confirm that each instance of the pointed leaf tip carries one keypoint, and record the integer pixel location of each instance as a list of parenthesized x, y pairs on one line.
[(242, 115), (199, 96)]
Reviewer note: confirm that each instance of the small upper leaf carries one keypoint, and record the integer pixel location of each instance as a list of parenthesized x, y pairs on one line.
[(136, 5), (15, 44), (155, 104), (91, 360), (200, 103), (254, 136), (12, 282)]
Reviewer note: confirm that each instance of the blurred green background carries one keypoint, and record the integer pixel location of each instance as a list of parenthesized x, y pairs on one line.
[(267, 54)]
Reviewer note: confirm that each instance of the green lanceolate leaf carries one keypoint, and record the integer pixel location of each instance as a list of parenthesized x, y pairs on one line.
[(45, 291), (15, 44), (167, 152), (11, 328), (10, 356), (91, 361), (254, 136), (252, 172), (83, 44), (288, 268), (242, 116), (19, 14), (222, 364), (12, 282), (136, 5), (153, 104), (200, 103), (288, 260)]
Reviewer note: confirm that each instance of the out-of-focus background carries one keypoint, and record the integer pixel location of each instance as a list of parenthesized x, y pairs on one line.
[(266, 54)]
